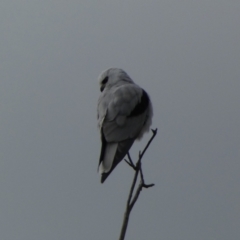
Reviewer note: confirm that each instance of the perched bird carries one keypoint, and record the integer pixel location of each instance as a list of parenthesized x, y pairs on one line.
[(124, 115)]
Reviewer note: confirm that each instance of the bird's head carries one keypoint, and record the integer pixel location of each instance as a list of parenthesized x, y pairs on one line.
[(112, 77)]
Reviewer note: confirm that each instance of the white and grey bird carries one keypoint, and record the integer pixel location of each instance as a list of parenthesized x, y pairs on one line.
[(124, 115)]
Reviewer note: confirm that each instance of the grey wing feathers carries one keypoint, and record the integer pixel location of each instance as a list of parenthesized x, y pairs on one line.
[(131, 129), (115, 108)]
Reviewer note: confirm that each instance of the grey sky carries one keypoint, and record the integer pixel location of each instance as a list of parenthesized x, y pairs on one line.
[(186, 54)]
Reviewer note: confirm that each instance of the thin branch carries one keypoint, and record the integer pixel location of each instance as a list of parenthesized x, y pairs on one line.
[(154, 132), (132, 199), (129, 158), (128, 210), (130, 162), (143, 181), (132, 187), (135, 198)]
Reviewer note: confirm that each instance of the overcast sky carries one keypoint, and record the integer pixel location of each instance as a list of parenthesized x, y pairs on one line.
[(184, 53)]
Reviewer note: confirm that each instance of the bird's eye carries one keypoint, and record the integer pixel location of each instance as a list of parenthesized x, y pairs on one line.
[(104, 81)]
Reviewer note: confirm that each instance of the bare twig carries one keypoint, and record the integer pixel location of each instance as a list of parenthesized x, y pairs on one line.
[(132, 199), (130, 162)]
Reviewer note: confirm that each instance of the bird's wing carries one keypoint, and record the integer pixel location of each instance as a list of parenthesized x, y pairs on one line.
[(122, 114), (125, 113)]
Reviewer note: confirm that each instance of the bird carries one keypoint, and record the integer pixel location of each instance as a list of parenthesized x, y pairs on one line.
[(124, 114)]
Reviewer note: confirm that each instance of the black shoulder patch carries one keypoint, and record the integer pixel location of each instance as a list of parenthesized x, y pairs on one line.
[(141, 106)]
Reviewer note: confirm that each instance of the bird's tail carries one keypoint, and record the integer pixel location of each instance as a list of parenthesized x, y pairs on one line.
[(122, 149)]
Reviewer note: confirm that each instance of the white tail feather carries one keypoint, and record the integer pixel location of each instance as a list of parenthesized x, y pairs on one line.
[(109, 155)]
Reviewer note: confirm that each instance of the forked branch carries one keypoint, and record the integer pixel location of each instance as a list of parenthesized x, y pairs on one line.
[(133, 198)]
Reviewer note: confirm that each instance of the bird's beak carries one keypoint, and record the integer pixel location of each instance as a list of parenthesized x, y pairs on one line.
[(102, 88)]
